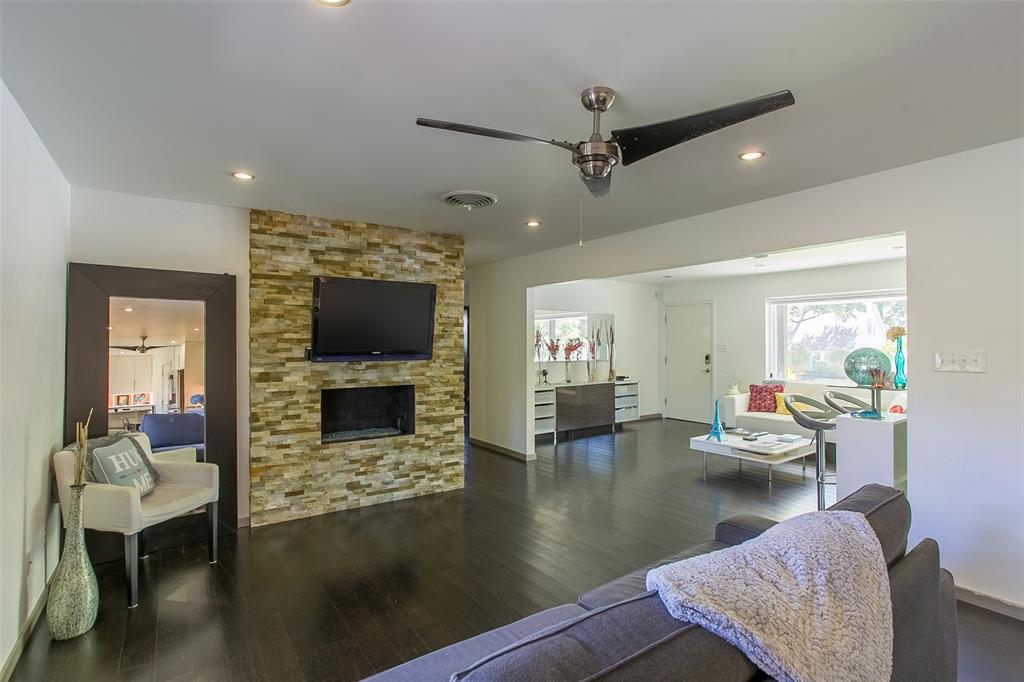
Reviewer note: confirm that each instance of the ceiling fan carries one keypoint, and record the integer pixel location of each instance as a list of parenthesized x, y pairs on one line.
[(595, 157), (142, 348)]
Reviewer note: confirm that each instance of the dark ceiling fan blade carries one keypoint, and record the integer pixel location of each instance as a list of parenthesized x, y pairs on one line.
[(598, 187), (126, 347), (643, 141), (488, 132), (152, 347)]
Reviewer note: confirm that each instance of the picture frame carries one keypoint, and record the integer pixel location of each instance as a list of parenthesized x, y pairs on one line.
[(140, 399), (121, 400)]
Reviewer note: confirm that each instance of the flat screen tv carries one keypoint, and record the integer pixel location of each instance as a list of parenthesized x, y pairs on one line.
[(371, 319)]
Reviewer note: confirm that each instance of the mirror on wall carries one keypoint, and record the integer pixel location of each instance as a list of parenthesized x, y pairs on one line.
[(157, 370), (586, 337)]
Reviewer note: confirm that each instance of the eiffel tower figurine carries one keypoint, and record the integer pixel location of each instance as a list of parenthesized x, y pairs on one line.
[(716, 426)]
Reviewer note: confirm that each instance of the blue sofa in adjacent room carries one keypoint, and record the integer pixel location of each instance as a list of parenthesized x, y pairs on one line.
[(172, 431)]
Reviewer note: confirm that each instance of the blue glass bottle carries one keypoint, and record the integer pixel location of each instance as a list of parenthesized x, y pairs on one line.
[(899, 380)]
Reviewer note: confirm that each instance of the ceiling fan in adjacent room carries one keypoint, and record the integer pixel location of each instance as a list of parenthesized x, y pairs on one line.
[(595, 157), (141, 348)]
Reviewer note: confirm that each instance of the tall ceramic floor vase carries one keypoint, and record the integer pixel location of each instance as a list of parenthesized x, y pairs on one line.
[(900, 379), (74, 595)]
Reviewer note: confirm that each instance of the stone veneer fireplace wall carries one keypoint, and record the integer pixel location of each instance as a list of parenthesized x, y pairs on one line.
[(293, 474)]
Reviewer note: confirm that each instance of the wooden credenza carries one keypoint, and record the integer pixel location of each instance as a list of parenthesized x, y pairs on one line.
[(568, 407), (584, 406)]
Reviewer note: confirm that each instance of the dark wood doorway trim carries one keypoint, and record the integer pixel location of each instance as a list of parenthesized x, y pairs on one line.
[(87, 374)]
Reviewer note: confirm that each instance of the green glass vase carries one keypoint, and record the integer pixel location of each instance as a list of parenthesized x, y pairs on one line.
[(74, 597), (899, 380), (861, 362)]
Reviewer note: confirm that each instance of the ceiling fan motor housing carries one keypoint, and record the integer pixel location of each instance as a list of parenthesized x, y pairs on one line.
[(596, 158)]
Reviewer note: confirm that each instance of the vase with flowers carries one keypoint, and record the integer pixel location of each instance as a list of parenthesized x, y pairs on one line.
[(611, 352), (74, 597), (572, 347), (899, 379), (591, 358), (553, 345)]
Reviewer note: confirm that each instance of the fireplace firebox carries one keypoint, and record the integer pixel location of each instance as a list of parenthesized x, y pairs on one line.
[(349, 414)]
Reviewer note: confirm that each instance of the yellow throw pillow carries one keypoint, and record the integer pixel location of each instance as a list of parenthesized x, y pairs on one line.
[(780, 404)]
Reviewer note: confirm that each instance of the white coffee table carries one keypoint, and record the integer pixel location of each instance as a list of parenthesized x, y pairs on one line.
[(766, 450)]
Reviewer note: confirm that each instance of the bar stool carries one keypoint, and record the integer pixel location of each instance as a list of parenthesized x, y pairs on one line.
[(820, 418), (848, 404)]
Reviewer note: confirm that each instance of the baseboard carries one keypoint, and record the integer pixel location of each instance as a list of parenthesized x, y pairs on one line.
[(19, 644), (648, 417), (521, 456), (990, 603), (243, 521)]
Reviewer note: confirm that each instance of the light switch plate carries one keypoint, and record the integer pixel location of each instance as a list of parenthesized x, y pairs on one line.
[(969, 361)]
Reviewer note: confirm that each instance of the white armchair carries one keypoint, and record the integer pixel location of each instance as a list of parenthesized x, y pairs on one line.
[(183, 485)]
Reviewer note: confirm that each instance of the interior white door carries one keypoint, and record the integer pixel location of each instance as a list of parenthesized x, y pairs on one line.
[(688, 360)]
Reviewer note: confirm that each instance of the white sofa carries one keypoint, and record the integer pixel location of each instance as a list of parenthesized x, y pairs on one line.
[(183, 486), (734, 412)]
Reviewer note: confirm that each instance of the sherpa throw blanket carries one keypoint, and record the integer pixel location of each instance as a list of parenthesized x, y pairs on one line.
[(807, 600)]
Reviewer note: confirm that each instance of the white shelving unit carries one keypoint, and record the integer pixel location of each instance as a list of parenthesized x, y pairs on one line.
[(543, 410), (627, 405), (627, 401)]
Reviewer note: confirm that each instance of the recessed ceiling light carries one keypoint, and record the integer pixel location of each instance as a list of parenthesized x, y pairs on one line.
[(533, 223), (129, 309), (122, 352), (752, 155), (173, 341), (333, 3), (898, 247), (195, 329), (242, 175), (109, 328)]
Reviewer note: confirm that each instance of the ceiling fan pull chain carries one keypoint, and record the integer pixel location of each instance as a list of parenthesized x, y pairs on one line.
[(581, 222)]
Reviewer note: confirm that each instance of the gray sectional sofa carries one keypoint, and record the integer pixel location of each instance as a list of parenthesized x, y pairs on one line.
[(620, 631)]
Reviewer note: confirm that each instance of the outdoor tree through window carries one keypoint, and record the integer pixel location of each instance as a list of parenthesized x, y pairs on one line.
[(810, 339)]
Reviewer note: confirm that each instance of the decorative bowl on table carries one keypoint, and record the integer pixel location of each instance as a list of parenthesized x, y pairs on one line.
[(860, 363)]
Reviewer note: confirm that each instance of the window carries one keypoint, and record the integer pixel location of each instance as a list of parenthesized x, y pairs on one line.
[(809, 338), (557, 328)]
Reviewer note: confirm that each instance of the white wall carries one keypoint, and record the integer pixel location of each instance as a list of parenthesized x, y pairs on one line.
[(33, 282), (964, 219), (739, 305), (635, 308), (123, 229)]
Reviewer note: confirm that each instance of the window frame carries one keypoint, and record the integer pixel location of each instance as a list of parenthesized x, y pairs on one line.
[(774, 334)]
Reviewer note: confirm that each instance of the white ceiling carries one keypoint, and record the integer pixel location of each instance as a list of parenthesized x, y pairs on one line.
[(162, 98), (890, 247), (163, 321)]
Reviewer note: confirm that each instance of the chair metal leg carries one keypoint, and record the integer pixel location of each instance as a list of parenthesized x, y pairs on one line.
[(211, 541), (131, 568), (819, 468)]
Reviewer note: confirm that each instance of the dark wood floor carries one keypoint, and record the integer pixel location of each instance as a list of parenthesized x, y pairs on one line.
[(341, 596)]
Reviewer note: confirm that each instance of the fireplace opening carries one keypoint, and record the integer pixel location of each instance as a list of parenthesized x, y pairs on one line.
[(348, 414)]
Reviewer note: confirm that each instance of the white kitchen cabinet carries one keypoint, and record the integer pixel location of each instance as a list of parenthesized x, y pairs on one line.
[(131, 374)]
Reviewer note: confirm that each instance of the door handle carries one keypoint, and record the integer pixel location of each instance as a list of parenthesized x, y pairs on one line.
[(707, 370)]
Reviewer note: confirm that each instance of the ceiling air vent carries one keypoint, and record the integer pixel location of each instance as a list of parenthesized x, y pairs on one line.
[(469, 199)]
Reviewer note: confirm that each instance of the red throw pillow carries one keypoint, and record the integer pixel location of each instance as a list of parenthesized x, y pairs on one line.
[(762, 397)]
